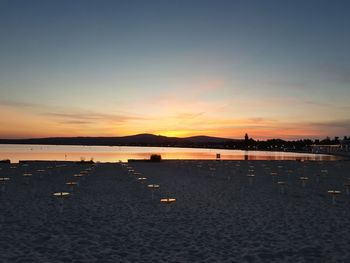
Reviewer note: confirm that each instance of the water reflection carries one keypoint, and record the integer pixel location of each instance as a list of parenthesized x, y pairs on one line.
[(123, 153)]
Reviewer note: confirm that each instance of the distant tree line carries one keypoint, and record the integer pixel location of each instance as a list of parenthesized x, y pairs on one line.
[(282, 145)]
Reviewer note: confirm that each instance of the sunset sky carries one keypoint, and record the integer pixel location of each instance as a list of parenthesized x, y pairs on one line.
[(273, 69)]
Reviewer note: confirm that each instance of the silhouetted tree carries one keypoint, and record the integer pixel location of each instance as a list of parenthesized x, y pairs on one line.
[(326, 141), (246, 137)]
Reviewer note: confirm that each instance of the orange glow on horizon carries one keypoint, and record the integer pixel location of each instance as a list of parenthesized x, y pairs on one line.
[(28, 124)]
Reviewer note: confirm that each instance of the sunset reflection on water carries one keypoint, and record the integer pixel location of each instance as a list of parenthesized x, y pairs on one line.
[(123, 153)]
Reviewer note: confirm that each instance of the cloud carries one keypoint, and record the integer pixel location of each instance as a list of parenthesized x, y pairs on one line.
[(19, 104), (260, 120), (318, 103), (90, 117), (75, 122)]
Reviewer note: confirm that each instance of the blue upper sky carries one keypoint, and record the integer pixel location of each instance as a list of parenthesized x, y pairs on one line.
[(272, 68)]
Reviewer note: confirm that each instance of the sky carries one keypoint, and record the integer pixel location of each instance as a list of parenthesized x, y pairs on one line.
[(272, 69)]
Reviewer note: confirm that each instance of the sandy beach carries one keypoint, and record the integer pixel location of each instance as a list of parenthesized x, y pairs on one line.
[(220, 215)]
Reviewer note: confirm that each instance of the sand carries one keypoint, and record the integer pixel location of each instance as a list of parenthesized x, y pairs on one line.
[(220, 214)]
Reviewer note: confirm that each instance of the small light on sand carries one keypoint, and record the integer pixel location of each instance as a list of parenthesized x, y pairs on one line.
[(303, 181), (141, 178), (334, 193), (168, 200), (79, 176), (4, 179), (61, 196), (153, 187), (282, 186)]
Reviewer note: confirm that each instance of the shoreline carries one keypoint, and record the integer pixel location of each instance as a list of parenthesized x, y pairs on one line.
[(178, 147)]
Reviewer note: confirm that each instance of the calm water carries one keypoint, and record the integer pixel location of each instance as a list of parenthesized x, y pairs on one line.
[(116, 153)]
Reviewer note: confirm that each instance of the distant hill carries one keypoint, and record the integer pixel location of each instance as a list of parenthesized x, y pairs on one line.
[(133, 140)]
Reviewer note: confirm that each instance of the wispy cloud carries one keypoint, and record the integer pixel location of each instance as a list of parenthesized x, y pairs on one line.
[(317, 103), (74, 122), (89, 117), (19, 104)]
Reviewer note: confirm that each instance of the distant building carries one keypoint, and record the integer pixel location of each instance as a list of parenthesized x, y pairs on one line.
[(345, 145), (331, 148)]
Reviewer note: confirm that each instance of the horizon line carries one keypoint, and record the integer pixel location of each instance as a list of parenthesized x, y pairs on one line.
[(177, 137)]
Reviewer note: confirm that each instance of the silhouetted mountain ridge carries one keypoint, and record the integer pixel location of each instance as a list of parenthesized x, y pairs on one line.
[(143, 139)]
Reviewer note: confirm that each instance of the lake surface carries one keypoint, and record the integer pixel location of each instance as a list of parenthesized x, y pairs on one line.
[(16, 152)]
